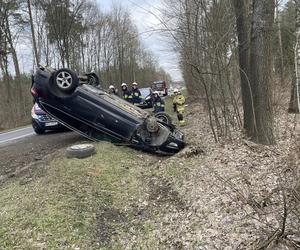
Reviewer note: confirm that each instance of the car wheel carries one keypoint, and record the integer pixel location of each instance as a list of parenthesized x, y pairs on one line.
[(80, 151), (37, 128), (164, 117), (93, 79), (65, 80)]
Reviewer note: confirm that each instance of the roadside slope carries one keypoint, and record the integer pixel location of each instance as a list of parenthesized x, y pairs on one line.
[(208, 196)]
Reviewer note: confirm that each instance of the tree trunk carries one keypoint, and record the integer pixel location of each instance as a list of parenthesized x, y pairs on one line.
[(278, 21), (243, 31), (33, 34), (294, 106), (260, 71), (12, 48), (255, 67), (16, 65)]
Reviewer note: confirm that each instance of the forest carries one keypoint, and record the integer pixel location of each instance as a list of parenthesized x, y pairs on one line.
[(238, 54), (74, 34)]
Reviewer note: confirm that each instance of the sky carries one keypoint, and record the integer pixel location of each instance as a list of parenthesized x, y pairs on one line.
[(146, 22)]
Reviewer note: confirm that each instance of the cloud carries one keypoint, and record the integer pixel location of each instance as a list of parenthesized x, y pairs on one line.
[(144, 14), (148, 26)]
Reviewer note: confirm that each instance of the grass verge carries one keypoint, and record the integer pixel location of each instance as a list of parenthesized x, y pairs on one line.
[(102, 202), (78, 204)]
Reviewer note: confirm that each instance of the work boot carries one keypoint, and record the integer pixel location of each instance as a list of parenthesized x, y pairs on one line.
[(181, 122)]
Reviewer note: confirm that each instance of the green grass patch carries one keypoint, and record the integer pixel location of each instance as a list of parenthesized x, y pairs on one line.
[(83, 204), (66, 207)]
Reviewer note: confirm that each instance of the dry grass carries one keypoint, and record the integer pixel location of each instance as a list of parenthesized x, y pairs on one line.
[(232, 195), (15, 112)]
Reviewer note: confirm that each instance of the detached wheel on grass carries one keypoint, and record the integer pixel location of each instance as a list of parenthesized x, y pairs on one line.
[(80, 151), (164, 117)]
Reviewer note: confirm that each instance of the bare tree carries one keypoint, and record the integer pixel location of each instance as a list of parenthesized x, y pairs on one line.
[(243, 34), (256, 68), (36, 55), (260, 71), (294, 106)]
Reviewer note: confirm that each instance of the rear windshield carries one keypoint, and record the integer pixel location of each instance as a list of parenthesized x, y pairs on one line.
[(158, 85)]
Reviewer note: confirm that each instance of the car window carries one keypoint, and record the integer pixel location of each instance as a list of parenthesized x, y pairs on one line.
[(158, 85), (145, 92), (122, 104), (92, 89)]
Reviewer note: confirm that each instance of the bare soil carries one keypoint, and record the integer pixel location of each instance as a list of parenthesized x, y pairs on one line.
[(26, 155)]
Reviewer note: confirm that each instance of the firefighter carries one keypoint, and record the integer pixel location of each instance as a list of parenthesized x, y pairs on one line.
[(178, 105), (126, 92), (113, 90), (158, 103), (136, 94)]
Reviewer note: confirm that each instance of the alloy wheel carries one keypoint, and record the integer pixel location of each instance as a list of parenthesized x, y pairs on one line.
[(64, 80)]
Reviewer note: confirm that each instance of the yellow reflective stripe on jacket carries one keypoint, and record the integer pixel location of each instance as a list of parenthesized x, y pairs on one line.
[(159, 104), (180, 108)]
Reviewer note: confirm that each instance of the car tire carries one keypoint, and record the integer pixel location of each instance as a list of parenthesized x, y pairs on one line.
[(164, 117), (93, 79), (65, 80), (37, 128), (80, 151)]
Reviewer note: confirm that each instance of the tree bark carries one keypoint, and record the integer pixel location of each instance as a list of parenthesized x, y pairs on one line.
[(243, 31), (255, 67), (33, 34), (12, 48), (294, 104), (260, 71), (281, 67)]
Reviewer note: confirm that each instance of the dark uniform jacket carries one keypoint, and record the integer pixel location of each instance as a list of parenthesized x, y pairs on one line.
[(127, 95), (158, 104), (136, 96)]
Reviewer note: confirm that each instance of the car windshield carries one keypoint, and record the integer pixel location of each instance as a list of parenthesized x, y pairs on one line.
[(145, 92), (159, 85)]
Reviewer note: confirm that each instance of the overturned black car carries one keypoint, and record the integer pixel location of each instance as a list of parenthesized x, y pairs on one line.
[(76, 103)]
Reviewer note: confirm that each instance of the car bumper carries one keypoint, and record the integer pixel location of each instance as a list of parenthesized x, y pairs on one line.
[(48, 125), (173, 144)]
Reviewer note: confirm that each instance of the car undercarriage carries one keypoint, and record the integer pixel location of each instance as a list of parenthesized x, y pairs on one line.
[(80, 104)]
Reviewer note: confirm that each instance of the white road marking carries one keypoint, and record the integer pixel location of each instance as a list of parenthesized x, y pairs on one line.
[(16, 138), (14, 131), (15, 134)]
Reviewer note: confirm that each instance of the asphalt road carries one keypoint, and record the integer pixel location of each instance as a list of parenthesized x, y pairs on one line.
[(16, 134), (22, 147)]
